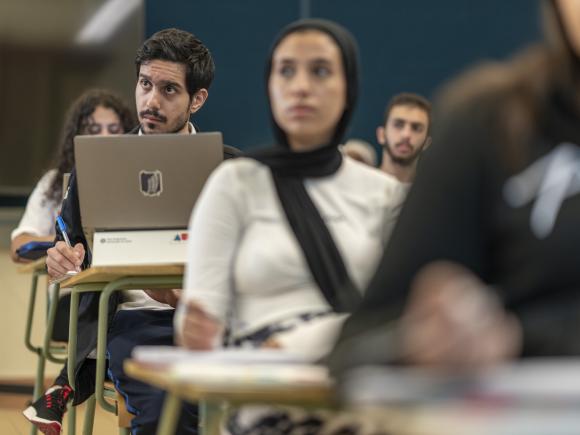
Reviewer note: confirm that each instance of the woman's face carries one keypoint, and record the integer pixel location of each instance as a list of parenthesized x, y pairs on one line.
[(103, 121), (307, 88)]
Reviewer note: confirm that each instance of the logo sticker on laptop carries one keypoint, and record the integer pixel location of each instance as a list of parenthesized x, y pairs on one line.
[(151, 183), (181, 237)]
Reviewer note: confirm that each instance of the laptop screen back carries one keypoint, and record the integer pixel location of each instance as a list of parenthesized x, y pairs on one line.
[(143, 182)]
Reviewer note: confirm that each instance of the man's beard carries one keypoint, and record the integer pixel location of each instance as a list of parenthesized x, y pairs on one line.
[(402, 161), (179, 125)]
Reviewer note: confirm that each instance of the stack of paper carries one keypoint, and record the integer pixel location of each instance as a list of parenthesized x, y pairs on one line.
[(235, 366)]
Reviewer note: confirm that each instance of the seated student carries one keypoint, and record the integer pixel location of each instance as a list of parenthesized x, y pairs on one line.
[(174, 72), (482, 266), (286, 239), (404, 135), (95, 112)]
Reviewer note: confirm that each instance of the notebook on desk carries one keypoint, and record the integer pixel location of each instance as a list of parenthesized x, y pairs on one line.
[(136, 191)]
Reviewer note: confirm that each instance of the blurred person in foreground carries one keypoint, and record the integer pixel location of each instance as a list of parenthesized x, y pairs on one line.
[(482, 266)]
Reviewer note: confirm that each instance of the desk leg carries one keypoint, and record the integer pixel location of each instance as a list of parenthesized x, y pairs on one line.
[(89, 415), (72, 355), (169, 415), (211, 415), (29, 317), (39, 381), (38, 385), (71, 419)]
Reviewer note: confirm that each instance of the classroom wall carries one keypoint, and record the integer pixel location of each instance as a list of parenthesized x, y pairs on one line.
[(38, 82), (413, 45)]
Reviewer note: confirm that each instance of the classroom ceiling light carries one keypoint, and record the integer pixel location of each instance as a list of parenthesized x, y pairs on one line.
[(106, 21)]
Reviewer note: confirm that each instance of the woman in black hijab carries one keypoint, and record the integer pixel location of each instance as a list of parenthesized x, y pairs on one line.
[(281, 242)]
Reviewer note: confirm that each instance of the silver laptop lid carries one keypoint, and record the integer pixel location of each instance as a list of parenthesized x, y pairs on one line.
[(143, 182)]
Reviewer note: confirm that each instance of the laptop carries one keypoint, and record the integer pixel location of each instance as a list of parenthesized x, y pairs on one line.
[(132, 182)]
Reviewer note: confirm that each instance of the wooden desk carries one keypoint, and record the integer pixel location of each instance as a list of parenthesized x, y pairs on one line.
[(108, 280), (212, 397), (105, 274), (452, 414)]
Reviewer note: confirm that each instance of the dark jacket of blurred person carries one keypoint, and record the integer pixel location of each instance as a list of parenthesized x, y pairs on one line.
[(505, 206)]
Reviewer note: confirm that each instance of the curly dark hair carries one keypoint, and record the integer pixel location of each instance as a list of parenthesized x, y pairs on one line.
[(179, 46), (75, 123)]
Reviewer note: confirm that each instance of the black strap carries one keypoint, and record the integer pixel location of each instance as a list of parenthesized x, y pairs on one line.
[(322, 256)]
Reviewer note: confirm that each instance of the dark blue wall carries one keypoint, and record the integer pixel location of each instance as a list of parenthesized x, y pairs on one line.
[(411, 45)]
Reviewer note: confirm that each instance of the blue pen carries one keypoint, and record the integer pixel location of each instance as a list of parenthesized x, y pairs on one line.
[(62, 228)]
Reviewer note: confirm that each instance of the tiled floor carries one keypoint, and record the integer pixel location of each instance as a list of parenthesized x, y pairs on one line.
[(12, 422)]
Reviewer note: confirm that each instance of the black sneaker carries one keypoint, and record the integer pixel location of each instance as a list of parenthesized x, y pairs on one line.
[(47, 412)]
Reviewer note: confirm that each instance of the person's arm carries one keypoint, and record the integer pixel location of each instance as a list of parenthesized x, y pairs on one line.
[(215, 230), (199, 330), (62, 258), (37, 222), (165, 296), (453, 322), (23, 239)]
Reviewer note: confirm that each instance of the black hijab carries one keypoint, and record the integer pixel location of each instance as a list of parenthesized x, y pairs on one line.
[(290, 168)]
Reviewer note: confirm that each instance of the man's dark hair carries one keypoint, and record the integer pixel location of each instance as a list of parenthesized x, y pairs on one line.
[(179, 46), (408, 99)]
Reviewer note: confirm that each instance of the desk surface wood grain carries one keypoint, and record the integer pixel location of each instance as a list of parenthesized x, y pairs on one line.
[(110, 273), (282, 394)]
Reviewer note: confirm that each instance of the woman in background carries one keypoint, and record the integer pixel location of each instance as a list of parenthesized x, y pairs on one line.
[(95, 112)]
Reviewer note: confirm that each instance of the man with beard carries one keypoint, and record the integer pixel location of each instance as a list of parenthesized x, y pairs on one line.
[(174, 71), (404, 135)]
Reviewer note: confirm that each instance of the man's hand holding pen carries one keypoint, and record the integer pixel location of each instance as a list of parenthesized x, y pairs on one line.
[(64, 257)]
